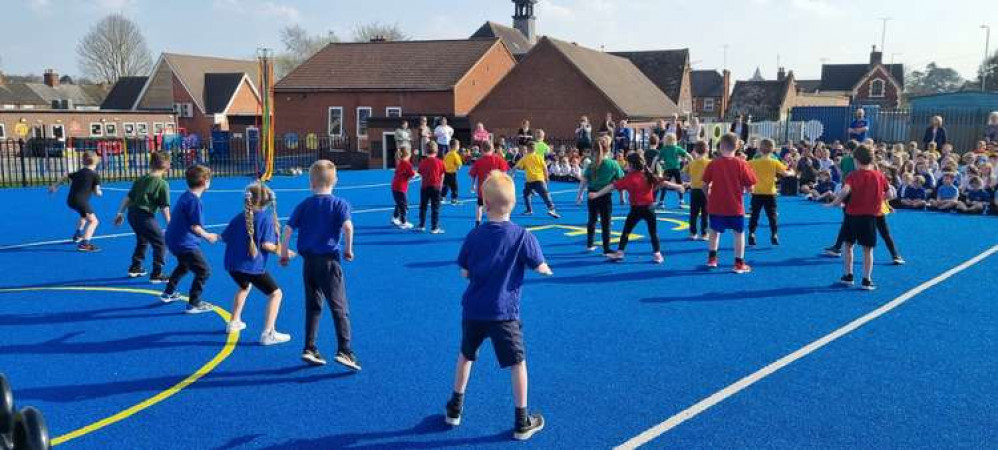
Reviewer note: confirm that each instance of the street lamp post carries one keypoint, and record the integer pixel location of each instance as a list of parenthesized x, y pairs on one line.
[(987, 53)]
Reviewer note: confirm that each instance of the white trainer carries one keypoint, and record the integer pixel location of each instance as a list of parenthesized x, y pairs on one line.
[(273, 337), (234, 326)]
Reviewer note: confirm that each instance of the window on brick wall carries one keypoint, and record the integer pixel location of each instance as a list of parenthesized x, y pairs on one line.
[(184, 109), (334, 124), (708, 105), (393, 111), (363, 113), (3, 131), (878, 88)]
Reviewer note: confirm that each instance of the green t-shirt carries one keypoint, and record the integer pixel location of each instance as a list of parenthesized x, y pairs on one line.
[(542, 148), (670, 155), (149, 194), (848, 165), (607, 173)]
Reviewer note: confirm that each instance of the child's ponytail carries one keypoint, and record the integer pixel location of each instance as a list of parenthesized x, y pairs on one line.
[(637, 162), (259, 197), (249, 208)]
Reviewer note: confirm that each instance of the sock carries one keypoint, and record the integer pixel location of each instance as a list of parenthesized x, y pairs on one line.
[(457, 399), (712, 253), (521, 415), (739, 260), (478, 223)]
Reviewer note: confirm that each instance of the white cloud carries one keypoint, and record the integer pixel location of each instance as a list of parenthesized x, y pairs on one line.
[(259, 9)]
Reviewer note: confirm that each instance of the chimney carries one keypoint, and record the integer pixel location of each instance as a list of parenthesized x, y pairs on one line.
[(524, 20), (876, 57), (726, 93), (50, 78), (781, 74), (379, 38)]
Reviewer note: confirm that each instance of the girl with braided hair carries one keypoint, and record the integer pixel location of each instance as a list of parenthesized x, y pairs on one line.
[(249, 239)]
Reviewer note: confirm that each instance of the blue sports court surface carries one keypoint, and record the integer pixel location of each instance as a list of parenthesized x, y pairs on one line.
[(670, 356)]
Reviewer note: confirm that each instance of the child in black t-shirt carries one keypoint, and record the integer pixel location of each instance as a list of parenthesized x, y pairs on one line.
[(82, 184)]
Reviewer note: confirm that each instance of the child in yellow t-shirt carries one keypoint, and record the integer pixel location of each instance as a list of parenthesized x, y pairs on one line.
[(536, 171), (698, 198), (766, 169), (452, 163)]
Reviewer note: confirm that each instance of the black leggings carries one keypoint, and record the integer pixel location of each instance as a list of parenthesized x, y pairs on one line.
[(698, 209), (401, 206), (885, 234), (675, 176), (450, 184), (600, 208), (429, 197), (759, 203), (646, 213)]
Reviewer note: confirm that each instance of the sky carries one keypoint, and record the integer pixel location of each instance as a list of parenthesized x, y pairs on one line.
[(797, 34)]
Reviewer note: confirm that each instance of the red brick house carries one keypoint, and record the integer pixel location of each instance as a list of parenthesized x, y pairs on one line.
[(557, 82), (874, 83), (342, 87), (764, 100), (711, 94)]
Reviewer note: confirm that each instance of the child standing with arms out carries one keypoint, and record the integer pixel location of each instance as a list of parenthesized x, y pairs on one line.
[(603, 172), (536, 171), (698, 198), (452, 163), (726, 179), (321, 221), (183, 235), (400, 188), (766, 169), (640, 185), (431, 169), (672, 157), (493, 258), (249, 238), (480, 171), (82, 184), (148, 194), (867, 190)]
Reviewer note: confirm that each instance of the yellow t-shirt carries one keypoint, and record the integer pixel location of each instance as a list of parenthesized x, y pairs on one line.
[(696, 168), (452, 162), (765, 169), (533, 164)]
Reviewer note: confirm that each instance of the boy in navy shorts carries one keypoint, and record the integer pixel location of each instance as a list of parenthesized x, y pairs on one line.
[(867, 189), (82, 184), (493, 259), (726, 180), (183, 238), (321, 221)]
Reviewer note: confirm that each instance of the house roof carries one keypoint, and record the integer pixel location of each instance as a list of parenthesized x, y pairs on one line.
[(41, 94), (665, 68), (760, 99), (191, 70), (809, 86), (707, 83), (515, 41), (124, 93), (19, 94), (401, 65), (619, 79), (844, 77), (219, 89)]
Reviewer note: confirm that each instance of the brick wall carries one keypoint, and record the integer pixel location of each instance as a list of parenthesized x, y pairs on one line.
[(480, 80), (891, 94), (77, 123)]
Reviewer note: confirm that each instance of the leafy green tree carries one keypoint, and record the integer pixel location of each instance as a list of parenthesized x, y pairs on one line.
[(299, 45), (933, 80)]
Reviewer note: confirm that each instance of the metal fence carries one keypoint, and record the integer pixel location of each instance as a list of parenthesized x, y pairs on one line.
[(35, 162)]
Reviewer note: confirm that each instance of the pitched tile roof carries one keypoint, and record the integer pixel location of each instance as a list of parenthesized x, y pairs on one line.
[(619, 79), (41, 94), (760, 99), (844, 77), (19, 94), (400, 65), (707, 83), (663, 67), (191, 70), (808, 85), (515, 41), (124, 93), (219, 89)]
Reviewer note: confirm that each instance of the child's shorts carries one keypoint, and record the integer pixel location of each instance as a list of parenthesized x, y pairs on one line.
[(481, 201), (506, 336), (81, 208), (262, 281), (720, 224), (861, 230)]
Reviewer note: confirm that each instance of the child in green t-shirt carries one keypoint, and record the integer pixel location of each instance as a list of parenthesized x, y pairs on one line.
[(148, 194)]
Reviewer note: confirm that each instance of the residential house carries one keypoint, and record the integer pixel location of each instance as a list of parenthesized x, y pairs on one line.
[(873, 83), (557, 82), (670, 70), (51, 93), (764, 100), (711, 94)]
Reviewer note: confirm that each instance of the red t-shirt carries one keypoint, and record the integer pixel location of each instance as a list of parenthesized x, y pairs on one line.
[(641, 192), (403, 173), (432, 171), (728, 179), (484, 166), (867, 192)]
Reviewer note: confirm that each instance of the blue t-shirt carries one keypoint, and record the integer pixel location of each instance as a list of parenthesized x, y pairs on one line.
[(185, 214), (237, 254), (825, 186), (978, 195), (319, 221), (495, 256), (914, 193), (947, 192), (859, 123)]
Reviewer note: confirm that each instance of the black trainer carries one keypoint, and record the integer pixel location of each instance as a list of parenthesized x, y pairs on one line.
[(775, 240), (867, 285), (313, 358), (751, 240), (899, 261), (159, 279), (136, 272), (529, 427), (348, 360), (77, 237), (847, 280), (453, 413), (87, 247), (833, 252)]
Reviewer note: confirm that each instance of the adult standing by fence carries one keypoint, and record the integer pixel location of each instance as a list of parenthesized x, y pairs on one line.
[(584, 135), (622, 138), (480, 136), (607, 127), (443, 133), (859, 127), (424, 136), (403, 136), (991, 130), (740, 128), (935, 133), (694, 133), (524, 135)]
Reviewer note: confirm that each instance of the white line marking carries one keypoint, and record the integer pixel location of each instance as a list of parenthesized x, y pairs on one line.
[(240, 191), (743, 383), (217, 225)]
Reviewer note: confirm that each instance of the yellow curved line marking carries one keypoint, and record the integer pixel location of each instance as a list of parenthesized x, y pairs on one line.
[(230, 346)]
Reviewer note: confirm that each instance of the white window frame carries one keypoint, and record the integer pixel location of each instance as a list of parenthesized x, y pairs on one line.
[(38, 132), (110, 126), (169, 128), (388, 111), (370, 111), (125, 126), (883, 88), (157, 126), (185, 110), (708, 104), (99, 127), (329, 122), (3, 131), (142, 129), (61, 128)]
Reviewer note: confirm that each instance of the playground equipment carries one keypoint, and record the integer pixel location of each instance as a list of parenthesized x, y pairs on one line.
[(20, 430)]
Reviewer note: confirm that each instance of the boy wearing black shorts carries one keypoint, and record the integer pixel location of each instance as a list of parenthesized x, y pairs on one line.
[(493, 259), (867, 190), (82, 184)]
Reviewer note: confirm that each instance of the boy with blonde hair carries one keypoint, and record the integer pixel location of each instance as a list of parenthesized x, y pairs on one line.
[(322, 220), (493, 258), (766, 170), (82, 184), (536, 171), (452, 163)]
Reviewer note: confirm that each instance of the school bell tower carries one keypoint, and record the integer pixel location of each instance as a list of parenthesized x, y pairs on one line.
[(524, 20)]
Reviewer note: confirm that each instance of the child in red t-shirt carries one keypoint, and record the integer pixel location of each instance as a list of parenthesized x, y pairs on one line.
[(432, 171), (480, 172), (867, 190), (640, 184), (400, 188), (726, 179)]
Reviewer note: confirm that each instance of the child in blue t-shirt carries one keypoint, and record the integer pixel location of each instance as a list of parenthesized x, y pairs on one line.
[(321, 220), (493, 259), (947, 195), (183, 237), (913, 194), (977, 197), (249, 238), (824, 189)]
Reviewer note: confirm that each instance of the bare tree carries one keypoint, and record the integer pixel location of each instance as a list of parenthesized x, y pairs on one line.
[(379, 31), (299, 45), (113, 48)]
